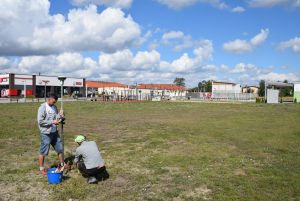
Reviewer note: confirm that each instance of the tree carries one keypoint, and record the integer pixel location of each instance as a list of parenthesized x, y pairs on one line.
[(179, 81), (205, 86), (200, 85), (261, 90), (286, 91)]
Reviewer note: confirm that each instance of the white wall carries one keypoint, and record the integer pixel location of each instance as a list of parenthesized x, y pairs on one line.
[(4, 79), (20, 79), (226, 88), (53, 81), (116, 90), (159, 92), (297, 87)]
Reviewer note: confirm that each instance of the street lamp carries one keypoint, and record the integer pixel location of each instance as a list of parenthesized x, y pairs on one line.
[(46, 82), (62, 80)]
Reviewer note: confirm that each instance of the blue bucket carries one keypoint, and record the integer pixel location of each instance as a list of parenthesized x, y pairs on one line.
[(54, 177)]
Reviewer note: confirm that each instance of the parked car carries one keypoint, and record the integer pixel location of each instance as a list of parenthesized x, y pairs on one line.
[(92, 97)]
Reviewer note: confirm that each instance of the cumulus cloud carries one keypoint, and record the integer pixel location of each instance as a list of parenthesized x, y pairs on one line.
[(28, 29), (123, 65), (271, 3), (243, 46), (247, 73), (3, 61), (273, 76), (238, 9), (109, 3), (71, 64), (294, 44), (237, 46), (166, 37), (241, 68), (187, 64), (179, 4), (180, 41), (125, 60)]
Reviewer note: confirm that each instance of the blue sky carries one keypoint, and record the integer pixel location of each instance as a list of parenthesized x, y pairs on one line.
[(153, 40)]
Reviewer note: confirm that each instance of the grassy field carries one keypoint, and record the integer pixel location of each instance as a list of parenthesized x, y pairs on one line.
[(161, 151)]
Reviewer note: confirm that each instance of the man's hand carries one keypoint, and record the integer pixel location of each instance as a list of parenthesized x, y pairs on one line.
[(61, 112), (55, 122)]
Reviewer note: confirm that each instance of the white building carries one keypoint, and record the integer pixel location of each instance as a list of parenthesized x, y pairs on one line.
[(165, 91), (226, 88), (38, 85), (108, 88)]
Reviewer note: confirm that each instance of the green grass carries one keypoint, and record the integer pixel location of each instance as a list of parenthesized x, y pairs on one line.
[(161, 151)]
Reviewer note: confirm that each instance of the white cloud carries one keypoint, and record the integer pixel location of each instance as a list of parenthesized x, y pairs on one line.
[(166, 37), (292, 43), (109, 3), (146, 60), (72, 64), (3, 61), (125, 61), (241, 68), (243, 46), (238, 9), (237, 46), (179, 4), (260, 38), (187, 64), (28, 29), (247, 73), (179, 41), (273, 76), (271, 3)]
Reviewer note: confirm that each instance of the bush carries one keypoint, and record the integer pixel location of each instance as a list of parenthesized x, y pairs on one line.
[(260, 100)]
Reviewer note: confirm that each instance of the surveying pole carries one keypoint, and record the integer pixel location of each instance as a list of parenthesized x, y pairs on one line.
[(62, 80)]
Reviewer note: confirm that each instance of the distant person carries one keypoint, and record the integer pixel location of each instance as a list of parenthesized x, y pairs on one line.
[(89, 161), (48, 118)]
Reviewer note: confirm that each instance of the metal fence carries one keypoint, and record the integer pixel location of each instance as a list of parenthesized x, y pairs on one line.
[(202, 96), (192, 96)]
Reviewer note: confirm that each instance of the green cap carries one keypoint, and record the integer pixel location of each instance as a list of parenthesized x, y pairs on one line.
[(80, 138)]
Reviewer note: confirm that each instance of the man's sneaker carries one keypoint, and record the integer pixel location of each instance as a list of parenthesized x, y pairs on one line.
[(92, 180), (43, 172)]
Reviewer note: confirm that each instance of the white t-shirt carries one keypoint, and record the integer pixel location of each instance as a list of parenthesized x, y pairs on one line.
[(52, 113)]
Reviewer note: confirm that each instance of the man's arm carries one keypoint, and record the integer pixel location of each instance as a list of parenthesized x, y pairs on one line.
[(77, 155), (42, 118)]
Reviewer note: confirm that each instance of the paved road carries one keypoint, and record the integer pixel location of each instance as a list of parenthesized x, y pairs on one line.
[(29, 100)]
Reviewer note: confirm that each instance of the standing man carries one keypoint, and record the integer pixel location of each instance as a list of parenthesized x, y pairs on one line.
[(89, 160), (48, 118)]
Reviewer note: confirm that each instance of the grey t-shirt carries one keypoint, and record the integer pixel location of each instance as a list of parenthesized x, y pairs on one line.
[(90, 154)]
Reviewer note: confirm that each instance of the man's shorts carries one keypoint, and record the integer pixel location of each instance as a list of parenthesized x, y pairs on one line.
[(54, 140)]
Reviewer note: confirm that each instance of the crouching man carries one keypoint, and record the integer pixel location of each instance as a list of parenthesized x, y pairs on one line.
[(89, 161)]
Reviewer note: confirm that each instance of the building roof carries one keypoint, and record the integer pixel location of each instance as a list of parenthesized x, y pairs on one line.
[(278, 84), (161, 87), (99, 84), (219, 83), (250, 87)]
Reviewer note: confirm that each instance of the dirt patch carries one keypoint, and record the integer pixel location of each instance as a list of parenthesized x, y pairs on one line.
[(201, 192), (120, 181), (23, 191), (240, 172)]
